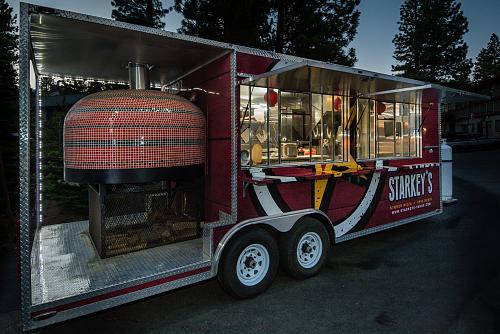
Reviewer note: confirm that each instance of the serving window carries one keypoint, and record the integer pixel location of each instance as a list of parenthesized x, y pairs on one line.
[(398, 130), (296, 123), (280, 127)]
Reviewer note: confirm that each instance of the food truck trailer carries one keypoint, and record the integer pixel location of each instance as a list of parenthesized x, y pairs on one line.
[(217, 160)]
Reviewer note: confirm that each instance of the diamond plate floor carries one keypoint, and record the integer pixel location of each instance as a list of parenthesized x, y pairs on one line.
[(65, 263)]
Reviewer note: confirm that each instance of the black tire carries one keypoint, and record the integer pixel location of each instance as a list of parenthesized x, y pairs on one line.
[(289, 243), (227, 274)]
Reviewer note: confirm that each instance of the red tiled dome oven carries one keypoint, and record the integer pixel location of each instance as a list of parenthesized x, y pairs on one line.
[(141, 152), (133, 136)]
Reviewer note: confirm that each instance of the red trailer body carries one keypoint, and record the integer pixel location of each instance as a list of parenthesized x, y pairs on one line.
[(293, 188)]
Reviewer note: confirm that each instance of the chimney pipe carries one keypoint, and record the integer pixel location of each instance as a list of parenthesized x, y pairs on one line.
[(138, 75)]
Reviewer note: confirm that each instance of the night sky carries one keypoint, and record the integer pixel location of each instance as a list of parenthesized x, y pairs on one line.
[(377, 27)]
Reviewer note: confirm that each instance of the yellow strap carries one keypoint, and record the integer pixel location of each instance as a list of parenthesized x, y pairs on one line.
[(320, 185)]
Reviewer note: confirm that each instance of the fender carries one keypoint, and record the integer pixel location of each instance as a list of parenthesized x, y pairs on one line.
[(282, 222)]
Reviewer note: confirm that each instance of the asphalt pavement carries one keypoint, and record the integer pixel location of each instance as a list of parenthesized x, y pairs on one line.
[(439, 275)]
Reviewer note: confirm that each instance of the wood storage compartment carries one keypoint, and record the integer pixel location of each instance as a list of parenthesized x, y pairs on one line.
[(130, 217)]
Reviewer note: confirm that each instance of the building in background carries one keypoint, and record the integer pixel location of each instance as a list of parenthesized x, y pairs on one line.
[(474, 120)]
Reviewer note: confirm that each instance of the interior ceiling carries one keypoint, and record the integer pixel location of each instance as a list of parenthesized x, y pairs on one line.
[(77, 48)]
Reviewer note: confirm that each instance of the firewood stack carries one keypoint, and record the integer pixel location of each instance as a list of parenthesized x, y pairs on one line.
[(129, 218)]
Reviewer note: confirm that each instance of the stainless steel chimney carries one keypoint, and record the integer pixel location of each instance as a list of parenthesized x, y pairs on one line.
[(138, 75)]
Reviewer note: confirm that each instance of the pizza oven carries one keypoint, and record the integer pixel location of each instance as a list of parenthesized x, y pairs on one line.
[(132, 136), (141, 152)]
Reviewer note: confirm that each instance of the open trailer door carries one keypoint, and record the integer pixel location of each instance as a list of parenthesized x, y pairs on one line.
[(63, 275)]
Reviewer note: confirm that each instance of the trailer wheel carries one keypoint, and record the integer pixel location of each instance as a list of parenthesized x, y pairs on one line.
[(250, 264), (304, 248)]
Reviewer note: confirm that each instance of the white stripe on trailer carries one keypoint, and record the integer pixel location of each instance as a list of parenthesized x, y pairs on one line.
[(282, 179), (266, 200), (426, 165), (360, 211)]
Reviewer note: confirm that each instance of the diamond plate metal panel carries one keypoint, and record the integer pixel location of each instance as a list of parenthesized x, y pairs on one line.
[(66, 266), (234, 140), (440, 110), (24, 159), (208, 233), (207, 242), (119, 300), (38, 165)]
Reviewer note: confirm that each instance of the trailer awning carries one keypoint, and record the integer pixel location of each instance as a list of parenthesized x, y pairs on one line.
[(452, 95), (325, 78), (82, 46)]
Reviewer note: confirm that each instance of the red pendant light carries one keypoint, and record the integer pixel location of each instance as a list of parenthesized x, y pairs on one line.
[(271, 97), (380, 107), (337, 103)]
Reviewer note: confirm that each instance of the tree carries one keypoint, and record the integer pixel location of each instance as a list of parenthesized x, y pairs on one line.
[(430, 45), (9, 97), (245, 23), (143, 12), (8, 47), (317, 29), (487, 64)]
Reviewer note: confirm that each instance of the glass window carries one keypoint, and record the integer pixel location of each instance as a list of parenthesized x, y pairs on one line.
[(273, 125), (295, 126), (402, 130), (385, 129), (373, 129), (254, 125), (316, 133), (258, 126), (281, 127), (418, 130), (349, 128), (363, 123), (245, 125), (329, 130), (405, 118), (414, 130), (333, 122)]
